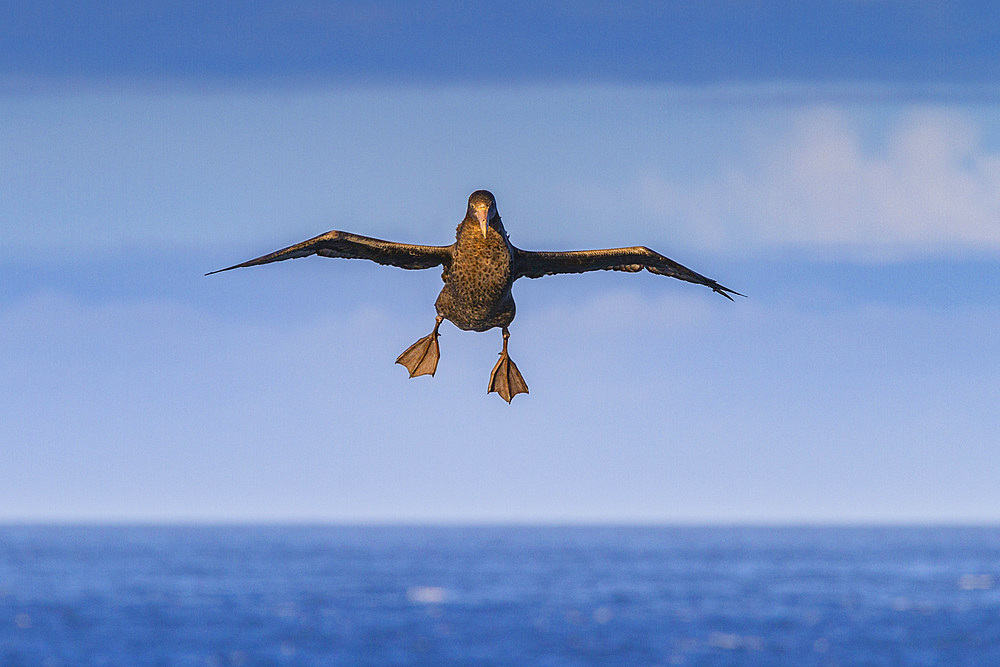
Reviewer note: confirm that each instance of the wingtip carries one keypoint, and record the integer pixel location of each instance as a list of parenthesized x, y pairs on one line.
[(225, 269), (726, 292)]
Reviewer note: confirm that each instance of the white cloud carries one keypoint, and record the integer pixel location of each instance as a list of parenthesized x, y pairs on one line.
[(926, 186)]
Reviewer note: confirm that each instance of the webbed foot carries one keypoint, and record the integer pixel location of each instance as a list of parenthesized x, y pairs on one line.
[(505, 379), (421, 358)]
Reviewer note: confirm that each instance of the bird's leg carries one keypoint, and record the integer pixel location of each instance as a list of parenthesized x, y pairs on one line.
[(421, 358), (505, 379)]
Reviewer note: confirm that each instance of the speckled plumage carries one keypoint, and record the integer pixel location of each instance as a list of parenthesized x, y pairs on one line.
[(476, 293), (479, 269)]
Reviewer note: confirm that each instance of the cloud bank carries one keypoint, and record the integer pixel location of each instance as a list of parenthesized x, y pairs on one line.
[(592, 165), (676, 409)]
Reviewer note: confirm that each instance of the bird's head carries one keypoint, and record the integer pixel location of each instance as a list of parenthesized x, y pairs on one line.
[(482, 209)]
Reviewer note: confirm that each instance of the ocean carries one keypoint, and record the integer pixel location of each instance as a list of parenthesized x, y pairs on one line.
[(499, 595)]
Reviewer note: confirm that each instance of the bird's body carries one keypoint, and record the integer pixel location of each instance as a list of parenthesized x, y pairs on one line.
[(479, 269), (476, 293)]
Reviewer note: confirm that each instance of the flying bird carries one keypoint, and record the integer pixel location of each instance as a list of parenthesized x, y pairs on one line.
[(479, 269)]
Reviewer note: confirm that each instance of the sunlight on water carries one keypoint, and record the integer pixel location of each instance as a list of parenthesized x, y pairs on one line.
[(426, 594), (975, 582)]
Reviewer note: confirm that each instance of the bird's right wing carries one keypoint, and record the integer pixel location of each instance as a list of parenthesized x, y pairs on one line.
[(354, 246)]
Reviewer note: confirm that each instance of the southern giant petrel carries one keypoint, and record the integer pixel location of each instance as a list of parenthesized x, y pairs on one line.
[(479, 269)]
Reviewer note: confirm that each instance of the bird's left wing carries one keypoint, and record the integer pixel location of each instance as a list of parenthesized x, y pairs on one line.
[(354, 246), (537, 264)]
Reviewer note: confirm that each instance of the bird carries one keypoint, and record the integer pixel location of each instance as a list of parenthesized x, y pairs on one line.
[(479, 269)]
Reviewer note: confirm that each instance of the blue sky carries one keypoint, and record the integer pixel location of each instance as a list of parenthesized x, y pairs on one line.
[(841, 167)]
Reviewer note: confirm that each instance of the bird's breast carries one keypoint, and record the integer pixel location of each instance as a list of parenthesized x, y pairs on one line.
[(476, 294)]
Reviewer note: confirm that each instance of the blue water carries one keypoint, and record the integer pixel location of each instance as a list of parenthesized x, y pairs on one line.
[(498, 595)]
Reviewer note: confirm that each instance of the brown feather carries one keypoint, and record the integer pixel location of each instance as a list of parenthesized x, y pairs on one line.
[(355, 246), (528, 264)]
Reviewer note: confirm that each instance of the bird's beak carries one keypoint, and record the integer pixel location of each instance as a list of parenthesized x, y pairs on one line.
[(482, 218)]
